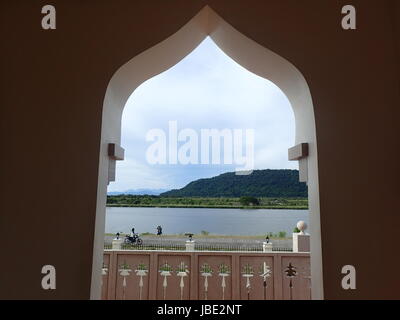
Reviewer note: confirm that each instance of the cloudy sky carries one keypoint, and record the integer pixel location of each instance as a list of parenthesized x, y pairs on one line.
[(206, 90)]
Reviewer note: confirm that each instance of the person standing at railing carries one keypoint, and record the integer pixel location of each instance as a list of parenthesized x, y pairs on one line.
[(159, 231)]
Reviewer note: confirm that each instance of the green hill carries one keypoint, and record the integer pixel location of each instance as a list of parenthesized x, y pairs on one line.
[(281, 183)]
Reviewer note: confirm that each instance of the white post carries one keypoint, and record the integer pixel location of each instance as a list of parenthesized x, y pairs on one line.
[(301, 240), (117, 244), (267, 246), (190, 245)]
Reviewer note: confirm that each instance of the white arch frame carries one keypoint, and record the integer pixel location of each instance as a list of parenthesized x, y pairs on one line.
[(249, 54)]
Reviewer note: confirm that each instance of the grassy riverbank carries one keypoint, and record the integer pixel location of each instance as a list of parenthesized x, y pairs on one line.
[(200, 202)]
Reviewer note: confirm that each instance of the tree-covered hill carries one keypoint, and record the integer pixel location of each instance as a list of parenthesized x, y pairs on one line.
[(282, 183)]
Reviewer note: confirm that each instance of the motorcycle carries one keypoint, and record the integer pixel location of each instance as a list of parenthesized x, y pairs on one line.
[(133, 240)]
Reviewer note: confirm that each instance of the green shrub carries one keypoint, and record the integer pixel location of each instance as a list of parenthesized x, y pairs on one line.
[(246, 201), (282, 234)]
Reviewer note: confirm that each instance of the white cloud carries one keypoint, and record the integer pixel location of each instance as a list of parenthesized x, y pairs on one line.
[(207, 89)]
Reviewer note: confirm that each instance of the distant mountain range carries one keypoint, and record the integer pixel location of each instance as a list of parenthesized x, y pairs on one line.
[(152, 192), (280, 183)]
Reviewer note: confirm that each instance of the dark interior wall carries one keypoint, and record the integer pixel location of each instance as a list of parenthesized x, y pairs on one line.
[(395, 11), (52, 89)]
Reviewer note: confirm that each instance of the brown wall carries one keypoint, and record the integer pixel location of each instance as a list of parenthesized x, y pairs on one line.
[(52, 89)]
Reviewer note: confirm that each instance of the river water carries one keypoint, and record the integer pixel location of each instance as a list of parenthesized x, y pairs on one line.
[(194, 220)]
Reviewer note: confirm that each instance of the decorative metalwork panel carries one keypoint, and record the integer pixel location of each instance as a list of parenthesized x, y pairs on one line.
[(256, 278), (224, 272), (295, 284), (206, 272), (215, 278), (132, 277), (173, 281), (182, 272), (141, 271)]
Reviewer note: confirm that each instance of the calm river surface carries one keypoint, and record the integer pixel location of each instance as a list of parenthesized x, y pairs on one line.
[(194, 220)]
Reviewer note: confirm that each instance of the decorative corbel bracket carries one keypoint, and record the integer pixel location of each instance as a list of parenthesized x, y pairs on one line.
[(115, 153), (300, 153)]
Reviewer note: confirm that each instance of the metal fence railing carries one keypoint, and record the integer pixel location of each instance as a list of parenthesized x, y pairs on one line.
[(170, 246), (227, 247), (154, 246), (282, 249)]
